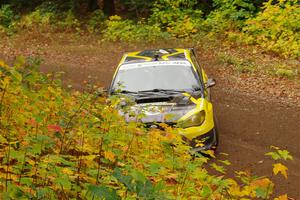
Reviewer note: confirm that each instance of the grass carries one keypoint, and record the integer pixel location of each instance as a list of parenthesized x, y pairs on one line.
[(252, 60), (238, 64)]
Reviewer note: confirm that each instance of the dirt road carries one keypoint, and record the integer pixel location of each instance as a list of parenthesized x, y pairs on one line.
[(249, 122), (249, 126)]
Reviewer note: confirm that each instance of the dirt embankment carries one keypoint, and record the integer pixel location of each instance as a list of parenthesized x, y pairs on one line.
[(254, 111)]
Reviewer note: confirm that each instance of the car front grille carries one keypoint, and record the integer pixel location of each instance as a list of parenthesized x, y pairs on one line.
[(158, 125)]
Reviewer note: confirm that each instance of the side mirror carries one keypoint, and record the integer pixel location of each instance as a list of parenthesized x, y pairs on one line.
[(210, 83)]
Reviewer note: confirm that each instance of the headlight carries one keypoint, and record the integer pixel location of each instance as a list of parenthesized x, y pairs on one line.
[(194, 120)]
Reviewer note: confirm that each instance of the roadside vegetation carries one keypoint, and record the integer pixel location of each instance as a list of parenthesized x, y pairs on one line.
[(61, 144), (261, 27), (57, 143)]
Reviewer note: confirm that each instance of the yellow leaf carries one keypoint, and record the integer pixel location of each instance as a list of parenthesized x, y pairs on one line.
[(115, 18), (31, 162), (5, 81), (67, 171), (282, 197), (278, 167), (2, 64), (211, 153), (274, 147), (109, 156)]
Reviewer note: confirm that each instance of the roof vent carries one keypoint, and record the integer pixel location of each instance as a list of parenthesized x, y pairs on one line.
[(156, 57), (162, 51)]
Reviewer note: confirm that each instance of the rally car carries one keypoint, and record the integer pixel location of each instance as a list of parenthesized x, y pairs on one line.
[(172, 88)]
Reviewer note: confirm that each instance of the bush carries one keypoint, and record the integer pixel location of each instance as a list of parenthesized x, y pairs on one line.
[(96, 22), (228, 15), (67, 20), (169, 18), (7, 19), (58, 144), (276, 28), (284, 71), (177, 18), (49, 16), (38, 18), (127, 30), (288, 73), (6, 16)]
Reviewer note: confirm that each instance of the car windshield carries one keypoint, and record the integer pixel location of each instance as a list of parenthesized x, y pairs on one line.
[(156, 75)]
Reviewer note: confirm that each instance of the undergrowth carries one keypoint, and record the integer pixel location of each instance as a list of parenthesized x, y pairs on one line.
[(60, 144), (276, 28), (270, 25)]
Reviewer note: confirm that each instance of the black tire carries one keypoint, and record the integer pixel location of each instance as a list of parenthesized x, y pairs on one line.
[(216, 131)]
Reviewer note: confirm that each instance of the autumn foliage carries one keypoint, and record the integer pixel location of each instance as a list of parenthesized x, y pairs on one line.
[(60, 144), (268, 24)]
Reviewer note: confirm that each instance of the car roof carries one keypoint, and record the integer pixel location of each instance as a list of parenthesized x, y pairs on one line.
[(164, 54)]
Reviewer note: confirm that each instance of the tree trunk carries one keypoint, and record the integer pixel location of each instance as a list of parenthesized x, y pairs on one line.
[(93, 5), (109, 7)]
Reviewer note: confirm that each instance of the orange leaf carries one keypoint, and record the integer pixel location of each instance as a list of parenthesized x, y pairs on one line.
[(264, 183), (109, 156)]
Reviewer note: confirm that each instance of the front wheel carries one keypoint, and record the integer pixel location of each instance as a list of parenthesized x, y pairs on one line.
[(216, 135)]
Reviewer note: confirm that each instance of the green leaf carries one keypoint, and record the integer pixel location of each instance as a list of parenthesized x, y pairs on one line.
[(138, 176), (274, 155), (225, 162), (101, 192), (206, 191), (261, 192), (26, 181), (45, 193), (218, 168), (64, 182), (280, 154), (38, 118), (18, 155), (154, 169), (285, 154), (36, 149), (13, 192), (16, 75), (126, 180)]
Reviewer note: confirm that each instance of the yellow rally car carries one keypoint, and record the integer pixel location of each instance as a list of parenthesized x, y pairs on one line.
[(170, 87)]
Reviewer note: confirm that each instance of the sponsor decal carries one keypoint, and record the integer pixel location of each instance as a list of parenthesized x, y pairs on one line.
[(153, 64)]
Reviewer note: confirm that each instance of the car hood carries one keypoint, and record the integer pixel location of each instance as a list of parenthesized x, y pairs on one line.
[(159, 109)]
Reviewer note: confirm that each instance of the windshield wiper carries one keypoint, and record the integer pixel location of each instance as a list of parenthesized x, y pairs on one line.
[(163, 90), (196, 89), (124, 92), (144, 93)]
